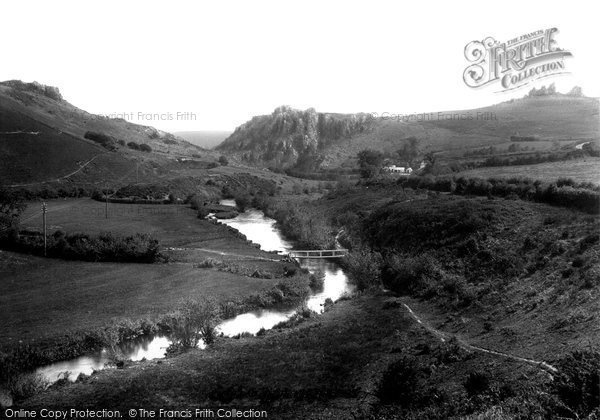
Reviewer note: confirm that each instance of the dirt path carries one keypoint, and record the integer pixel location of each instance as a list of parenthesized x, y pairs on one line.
[(469, 347), (222, 253), (580, 145), (33, 133), (62, 177)]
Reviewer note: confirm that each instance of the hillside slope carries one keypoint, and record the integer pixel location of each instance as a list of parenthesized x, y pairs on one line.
[(280, 139), (42, 139)]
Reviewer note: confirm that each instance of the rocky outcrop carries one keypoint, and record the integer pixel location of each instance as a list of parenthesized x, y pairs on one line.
[(285, 136), (35, 87)]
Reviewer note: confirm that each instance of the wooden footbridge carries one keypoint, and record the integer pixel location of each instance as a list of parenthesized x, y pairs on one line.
[(319, 253)]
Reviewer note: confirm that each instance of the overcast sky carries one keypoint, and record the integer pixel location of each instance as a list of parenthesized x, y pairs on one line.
[(225, 61)]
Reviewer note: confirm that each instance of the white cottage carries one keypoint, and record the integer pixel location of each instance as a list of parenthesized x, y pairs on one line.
[(398, 169)]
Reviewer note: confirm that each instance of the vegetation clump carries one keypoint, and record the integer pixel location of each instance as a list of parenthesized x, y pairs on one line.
[(194, 320), (103, 247), (108, 142)]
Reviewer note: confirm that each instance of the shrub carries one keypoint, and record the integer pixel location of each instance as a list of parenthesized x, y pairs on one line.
[(223, 160), (364, 269), (133, 145), (242, 201), (194, 320), (565, 192), (103, 139), (477, 383), (27, 385), (405, 382), (145, 148), (203, 212), (102, 247), (317, 280), (408, 275), (578, 382), (370, 163), (588, 241)]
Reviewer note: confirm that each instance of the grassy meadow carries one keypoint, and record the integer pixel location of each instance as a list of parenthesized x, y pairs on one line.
[(172, 225), (45, 298), (584, 170)]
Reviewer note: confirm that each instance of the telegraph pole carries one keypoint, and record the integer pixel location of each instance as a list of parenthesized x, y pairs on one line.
[(106, 201), (44, 209)]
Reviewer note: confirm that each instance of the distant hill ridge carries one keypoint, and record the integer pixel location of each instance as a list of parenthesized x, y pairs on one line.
[(309, 139)]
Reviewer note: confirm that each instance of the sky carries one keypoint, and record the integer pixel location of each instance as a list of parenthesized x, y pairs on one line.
[(218, 63)]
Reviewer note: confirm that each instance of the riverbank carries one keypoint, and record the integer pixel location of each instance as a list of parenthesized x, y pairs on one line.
[(62, 320)]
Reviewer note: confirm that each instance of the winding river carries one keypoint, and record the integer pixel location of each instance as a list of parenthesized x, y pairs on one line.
[(259, 229)]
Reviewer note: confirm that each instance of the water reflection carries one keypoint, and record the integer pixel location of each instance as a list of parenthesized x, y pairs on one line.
[(74, 367), (259, 229), (335, 284), (252, 322), (143, 348)]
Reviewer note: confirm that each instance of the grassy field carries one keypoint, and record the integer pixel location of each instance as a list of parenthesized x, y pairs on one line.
[(586, 170), (44, 297)]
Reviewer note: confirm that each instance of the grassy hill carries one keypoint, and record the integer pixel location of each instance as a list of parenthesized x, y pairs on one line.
[(42, 139), (549, 118)]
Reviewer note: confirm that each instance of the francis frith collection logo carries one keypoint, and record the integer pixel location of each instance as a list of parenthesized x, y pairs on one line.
[(516, 62)]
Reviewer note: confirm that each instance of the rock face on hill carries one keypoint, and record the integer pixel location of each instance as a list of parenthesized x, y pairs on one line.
[(290, 137), (19, 87)]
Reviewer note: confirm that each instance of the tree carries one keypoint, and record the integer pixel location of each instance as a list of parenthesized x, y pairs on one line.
[(576, 92), (11, 208), (370, 163), (430, 157), (409, 150), (194, 320), (223, 160)]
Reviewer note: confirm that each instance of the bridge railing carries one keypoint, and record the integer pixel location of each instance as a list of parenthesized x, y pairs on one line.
[(318, 253)]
